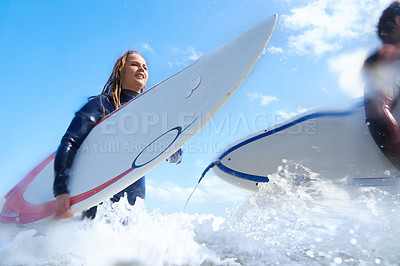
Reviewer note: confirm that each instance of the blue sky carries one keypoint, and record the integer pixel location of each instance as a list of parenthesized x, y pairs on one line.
[(55, 54)]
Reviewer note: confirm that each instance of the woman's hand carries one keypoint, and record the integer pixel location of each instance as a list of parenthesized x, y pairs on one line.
[(63, 207)]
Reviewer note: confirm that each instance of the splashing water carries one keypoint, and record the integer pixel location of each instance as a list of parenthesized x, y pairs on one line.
[(297, 220), (119, 235), (294, 219)]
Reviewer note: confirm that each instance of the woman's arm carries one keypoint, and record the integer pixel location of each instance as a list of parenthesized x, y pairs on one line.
[(83, 122)]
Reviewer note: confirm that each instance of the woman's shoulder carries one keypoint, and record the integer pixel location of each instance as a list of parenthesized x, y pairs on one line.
[(99, 99), (98, 103)]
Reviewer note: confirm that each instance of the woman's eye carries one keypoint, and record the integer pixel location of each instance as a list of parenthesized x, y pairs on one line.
[(138, 65)]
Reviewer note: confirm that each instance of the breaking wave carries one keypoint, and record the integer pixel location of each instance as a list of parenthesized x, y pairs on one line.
[(295, 219)]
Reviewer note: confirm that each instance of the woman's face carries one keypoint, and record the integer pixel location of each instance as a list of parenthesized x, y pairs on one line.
[(135, 74)]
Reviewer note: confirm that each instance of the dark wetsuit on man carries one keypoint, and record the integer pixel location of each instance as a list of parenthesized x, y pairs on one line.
[(83, 122), (381, 95)]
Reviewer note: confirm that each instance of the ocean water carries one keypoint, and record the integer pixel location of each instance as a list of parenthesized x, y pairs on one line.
[(296, 219)]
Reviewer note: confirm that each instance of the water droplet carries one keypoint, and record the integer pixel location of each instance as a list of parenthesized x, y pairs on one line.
[(310, 253), (337, 260)]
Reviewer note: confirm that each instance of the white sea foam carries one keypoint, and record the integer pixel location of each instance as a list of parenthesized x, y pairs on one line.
[(295, 219)]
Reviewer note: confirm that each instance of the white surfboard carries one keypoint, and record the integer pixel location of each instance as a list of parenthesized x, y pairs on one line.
[(143, 133), (335, 144)]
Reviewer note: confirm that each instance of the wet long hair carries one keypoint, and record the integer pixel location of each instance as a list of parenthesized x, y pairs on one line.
[(113, 87), (387, 22)]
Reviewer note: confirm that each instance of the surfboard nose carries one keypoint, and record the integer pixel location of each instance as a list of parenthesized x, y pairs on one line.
[(229, 64), (241, 53)]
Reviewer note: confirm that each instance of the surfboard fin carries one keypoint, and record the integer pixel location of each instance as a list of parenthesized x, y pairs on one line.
[(211, 165)]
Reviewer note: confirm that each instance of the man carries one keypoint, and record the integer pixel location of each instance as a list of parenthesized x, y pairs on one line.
[(382, 72)]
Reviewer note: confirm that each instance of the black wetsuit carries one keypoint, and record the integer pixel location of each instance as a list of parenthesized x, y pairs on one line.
[(83, 122), (380, 97)]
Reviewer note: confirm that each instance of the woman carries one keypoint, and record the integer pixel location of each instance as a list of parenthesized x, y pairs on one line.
[(381, 92), (127, 80)]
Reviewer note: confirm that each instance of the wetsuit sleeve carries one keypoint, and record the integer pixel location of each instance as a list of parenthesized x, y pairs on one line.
[(83, 122)]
